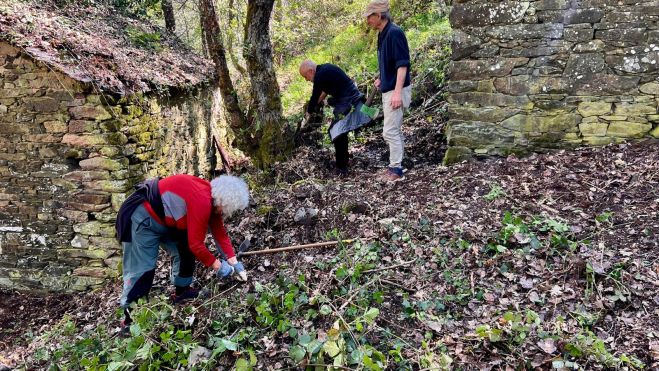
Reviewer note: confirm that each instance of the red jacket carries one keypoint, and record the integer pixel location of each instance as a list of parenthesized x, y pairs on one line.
[(188, 205)]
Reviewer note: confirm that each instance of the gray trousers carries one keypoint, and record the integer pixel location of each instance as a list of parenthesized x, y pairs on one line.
[(141, 254)]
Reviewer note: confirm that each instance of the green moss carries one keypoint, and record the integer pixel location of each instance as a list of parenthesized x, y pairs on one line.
[(264, 210)]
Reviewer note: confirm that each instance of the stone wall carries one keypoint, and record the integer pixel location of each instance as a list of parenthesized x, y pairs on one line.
[(69, 156), (535, 75)]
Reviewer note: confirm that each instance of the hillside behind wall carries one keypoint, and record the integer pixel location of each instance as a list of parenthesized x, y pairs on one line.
[(535, 75), (69, 156)]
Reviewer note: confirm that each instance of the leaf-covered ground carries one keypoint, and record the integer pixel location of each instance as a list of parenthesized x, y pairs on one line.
[(544, 261)]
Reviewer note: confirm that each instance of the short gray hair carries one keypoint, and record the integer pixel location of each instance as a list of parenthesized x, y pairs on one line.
[(231, 193), (386, 15)]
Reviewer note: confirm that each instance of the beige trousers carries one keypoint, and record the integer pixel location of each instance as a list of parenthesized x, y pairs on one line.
[(393, 120)]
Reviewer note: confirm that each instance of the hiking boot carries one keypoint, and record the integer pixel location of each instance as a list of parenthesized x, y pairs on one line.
[(393, 174), (188, 294)]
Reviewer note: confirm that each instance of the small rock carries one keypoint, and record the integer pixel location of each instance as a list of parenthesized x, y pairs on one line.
[(305, 215), (198, 354)]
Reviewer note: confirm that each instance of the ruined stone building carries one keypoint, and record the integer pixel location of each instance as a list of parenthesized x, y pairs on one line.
[(91, 102), (534, 75)]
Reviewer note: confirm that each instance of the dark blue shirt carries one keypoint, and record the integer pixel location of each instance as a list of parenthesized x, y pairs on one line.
[(393, 52), (332, 80)]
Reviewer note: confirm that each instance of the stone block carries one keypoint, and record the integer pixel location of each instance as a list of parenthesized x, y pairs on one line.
[(584, 65), (102, 163), (523, 85), (597, 129), (613, 118), (97, 113), (623, 36), (542, 124), (626, 129), (116, 200), (587, 109), (94, 139), (574, 34), (460, 86), (112, 186), (627, 17), (636, 63), (481, 69), (82, 126), (42, 138), (489, 100), (95, 228), (85, 207), (527, 31), (589, 47), (14, 128), (606, 84), (473, 134), (92, 198), (484, 114), (479, 15), (653, 118), (105, 243), (592, 15), (42, 104), (74, 215), (550, 4), (455, 154), (635, 109), (84, 283), (98, 272), (86, 176), (55, 126), (655, 132)]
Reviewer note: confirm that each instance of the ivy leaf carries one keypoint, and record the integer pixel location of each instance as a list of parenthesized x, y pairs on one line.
[(242, 365), (304, 339), (331, 348), (297, 353), (314, 346), (370, 315)]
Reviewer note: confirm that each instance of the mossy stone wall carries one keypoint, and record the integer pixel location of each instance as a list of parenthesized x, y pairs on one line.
[(537, 75), (68, 158)]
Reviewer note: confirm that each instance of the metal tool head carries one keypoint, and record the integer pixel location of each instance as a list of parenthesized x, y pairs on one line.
[(244, 246)]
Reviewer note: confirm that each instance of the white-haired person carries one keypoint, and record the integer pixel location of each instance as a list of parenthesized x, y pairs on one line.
[(176, 213)]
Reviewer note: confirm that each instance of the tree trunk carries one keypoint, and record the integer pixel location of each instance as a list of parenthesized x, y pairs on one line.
[(168, 10), (213, 36), (265, 89)]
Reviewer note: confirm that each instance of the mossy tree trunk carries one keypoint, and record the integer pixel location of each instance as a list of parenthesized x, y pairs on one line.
[(168, 11), (214, 42), (273, 143)]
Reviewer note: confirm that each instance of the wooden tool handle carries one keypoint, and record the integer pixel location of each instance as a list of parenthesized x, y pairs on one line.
[(295, 247)]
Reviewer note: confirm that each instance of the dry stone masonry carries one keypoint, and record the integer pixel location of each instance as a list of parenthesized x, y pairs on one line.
[(68, 158), (536, 75), (91, 103)]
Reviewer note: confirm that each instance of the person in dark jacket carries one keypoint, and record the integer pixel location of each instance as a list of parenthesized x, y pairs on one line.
[(344, 97), (176, 213), (394, 82)]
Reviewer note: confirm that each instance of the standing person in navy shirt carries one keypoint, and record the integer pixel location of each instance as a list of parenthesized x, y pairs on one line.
[(394, 81)]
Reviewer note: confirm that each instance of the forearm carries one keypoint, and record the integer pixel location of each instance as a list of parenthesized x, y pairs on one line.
[(322, 97), (401, 72)]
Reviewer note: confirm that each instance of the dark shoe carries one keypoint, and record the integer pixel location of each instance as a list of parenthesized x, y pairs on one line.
[(188, 294), (124, 330), (340, 173), (393, 174)]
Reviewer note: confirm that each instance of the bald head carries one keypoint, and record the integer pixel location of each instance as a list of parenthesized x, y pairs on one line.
[(308, 69)]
